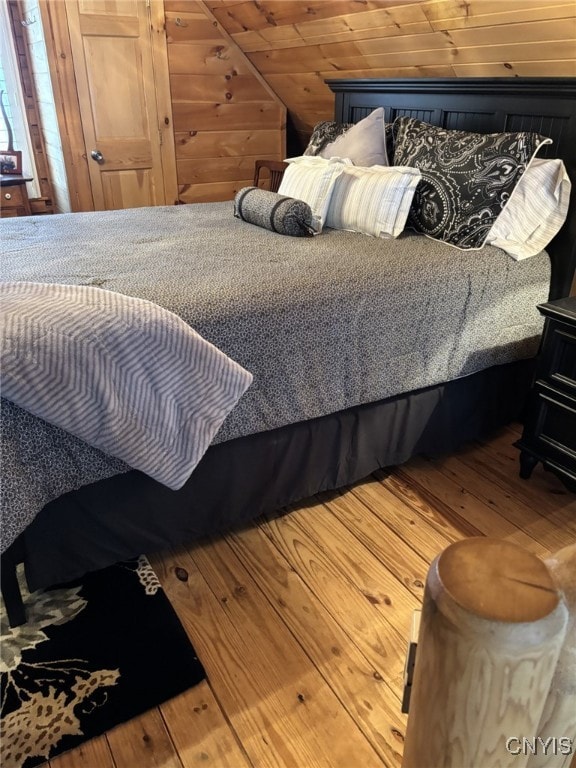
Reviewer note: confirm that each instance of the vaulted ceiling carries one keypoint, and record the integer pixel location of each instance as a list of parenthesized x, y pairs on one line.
[(297, 44)]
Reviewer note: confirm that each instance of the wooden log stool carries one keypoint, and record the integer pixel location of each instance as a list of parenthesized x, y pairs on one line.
[(558, 722), (491, 631)]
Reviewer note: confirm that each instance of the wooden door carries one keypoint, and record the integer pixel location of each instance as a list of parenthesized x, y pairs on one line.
[(129, 142)]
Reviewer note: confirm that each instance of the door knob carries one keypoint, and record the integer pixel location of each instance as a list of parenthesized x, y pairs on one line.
[(97, 155)]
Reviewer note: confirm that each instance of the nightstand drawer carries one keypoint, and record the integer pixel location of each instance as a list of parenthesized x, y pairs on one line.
[(13, 196), (557, 363), (555, 427), (549, 433)]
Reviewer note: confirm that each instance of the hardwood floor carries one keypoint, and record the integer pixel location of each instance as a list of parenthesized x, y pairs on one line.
[(302, 620)]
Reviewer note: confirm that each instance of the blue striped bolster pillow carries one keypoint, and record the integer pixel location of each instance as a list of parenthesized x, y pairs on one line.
[(278, 213)]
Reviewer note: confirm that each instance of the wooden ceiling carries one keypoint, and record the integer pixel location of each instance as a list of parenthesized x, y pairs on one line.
[(296, 44)]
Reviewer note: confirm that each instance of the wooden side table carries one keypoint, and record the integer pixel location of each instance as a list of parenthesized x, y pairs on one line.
[(550, 430), (14, 198)]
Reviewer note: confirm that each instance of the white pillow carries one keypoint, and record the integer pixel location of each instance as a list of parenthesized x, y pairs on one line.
[(374, 201), (535, 212), (311, 179), (364, 143)]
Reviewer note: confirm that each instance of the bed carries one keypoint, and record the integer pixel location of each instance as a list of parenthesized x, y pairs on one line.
[(327, 429)]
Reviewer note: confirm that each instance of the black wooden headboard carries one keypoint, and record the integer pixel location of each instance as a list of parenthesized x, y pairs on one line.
[(544, 105)]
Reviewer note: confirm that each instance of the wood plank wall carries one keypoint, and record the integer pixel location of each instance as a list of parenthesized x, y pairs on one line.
[(225, 115), (296, 44), (234, 64)]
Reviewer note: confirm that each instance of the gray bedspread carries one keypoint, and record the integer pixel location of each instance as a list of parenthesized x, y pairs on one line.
[(323, 324)]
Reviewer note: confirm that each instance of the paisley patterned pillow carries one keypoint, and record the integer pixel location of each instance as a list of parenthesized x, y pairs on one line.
[(467, 178)]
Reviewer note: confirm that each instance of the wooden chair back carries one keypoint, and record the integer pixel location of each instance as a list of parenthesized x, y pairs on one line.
[(275, 170)]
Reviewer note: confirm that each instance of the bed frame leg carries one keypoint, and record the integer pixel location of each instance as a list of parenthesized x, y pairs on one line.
[(10, 587)]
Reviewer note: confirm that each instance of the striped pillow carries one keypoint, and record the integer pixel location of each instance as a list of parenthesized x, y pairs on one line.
[(535, 212), (374, 201), (312, 179)]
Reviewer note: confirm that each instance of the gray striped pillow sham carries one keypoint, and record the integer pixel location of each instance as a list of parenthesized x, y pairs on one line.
[(535, 212)]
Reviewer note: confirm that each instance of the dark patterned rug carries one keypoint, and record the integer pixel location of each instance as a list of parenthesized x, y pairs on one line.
[(94, 653)]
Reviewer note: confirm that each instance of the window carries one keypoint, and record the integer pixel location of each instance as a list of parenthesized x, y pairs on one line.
[(13, 101)]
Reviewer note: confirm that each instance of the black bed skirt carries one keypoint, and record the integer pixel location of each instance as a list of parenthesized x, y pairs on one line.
[(239, 480)]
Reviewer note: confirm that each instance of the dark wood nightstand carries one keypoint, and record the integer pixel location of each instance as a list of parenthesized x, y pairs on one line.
[(549, 433), (14, 198)]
